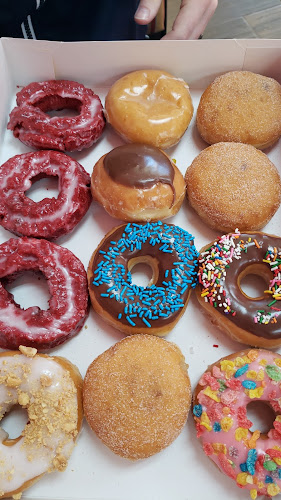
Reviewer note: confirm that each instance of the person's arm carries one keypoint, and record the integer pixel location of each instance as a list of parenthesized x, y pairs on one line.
[(190, 22)]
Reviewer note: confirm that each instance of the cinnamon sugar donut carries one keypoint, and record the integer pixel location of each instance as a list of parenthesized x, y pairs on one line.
[(233, 185), (249, 457), (241, 106), (137, 182), (50, 389), (222, 266), (149, 106), (137, 396)]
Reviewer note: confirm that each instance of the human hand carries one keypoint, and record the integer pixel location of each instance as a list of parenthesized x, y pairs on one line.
[(190, 22)]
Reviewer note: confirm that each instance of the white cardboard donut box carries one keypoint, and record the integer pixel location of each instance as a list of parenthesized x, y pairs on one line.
[(181, 471)]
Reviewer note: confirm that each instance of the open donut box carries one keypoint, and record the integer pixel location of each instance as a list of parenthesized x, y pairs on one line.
[(181, 471)]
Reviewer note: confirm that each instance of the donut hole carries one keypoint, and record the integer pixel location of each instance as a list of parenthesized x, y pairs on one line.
[(14, 422), (56, 106), (254, 280), (29, 289), (42, 183), (262, 416), (144, 271)]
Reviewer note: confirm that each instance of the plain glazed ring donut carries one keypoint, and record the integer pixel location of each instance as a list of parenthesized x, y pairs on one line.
[(137, 182), (222, 266), (67, 282), (241, 106), (50, 217), (233, 185), (155, 309), (149, 106), (30, 122), (250, 458), (137, 396), (50, 389)]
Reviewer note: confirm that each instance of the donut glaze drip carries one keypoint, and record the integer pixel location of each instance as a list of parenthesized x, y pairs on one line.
[(140, 166), (156, 305), (219, 269), (250, 458)]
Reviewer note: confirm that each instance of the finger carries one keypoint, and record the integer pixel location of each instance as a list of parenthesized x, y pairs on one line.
[(146, 11), (192, 19)]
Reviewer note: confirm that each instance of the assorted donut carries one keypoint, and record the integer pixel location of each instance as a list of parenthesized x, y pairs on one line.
[(49, 389), (50, 217), (137, 394), (67, 283), (169, 251), (222, 266), (32, 125), (138, 182), (146, 404), (251, 458), (149, 106)]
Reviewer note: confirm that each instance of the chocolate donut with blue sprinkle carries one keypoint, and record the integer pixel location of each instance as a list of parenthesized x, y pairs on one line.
[(156, 308)]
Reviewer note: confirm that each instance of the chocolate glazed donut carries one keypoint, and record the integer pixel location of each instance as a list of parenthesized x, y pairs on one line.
[(222, 266), (138, 182)]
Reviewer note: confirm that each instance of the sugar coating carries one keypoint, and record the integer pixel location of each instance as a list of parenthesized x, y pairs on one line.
[(233, 184), (137, 396), (250, 458), (241, 106)]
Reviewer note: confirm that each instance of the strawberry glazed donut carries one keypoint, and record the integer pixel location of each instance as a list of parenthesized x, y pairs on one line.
[(250, 458), (32, 125), (50, 217), (67, 282), (222, 266), (50, 390)]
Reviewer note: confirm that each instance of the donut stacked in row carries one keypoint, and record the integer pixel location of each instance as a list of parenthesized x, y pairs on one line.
[(154, 189)]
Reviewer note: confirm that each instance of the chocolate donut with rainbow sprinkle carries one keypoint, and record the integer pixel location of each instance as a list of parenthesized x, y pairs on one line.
[(223, 264), (170, 253), (250, 458)]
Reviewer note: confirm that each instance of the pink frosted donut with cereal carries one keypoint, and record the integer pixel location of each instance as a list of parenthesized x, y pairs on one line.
[(250, 458)]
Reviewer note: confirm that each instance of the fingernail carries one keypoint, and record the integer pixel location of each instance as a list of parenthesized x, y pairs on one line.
[(142, 13)]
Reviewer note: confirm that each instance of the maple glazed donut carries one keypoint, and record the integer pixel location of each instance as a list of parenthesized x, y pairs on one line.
[(137, 182), (67, 282), (222, 266), (149, 106), (251, 187), (241, 106), (50, 217), (137, 396), (251, 458), (32, 125), (50, 389), (155, 309)]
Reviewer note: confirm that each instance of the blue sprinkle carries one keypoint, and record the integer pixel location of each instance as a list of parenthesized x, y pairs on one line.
[(251, 461), (243, 467), (197, 411), (217, 427), (249, 384), (119, 315), (268, 479), (130, 321), (146, 322), (241, 371), (279, 473)]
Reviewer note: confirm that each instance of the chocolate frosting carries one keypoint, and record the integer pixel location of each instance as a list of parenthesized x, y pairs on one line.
[(140, 166), (246, 308), (166, 261)]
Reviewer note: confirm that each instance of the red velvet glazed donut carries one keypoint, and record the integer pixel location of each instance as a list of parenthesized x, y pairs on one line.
[(67, 282), (50, 217), (35, 128)]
